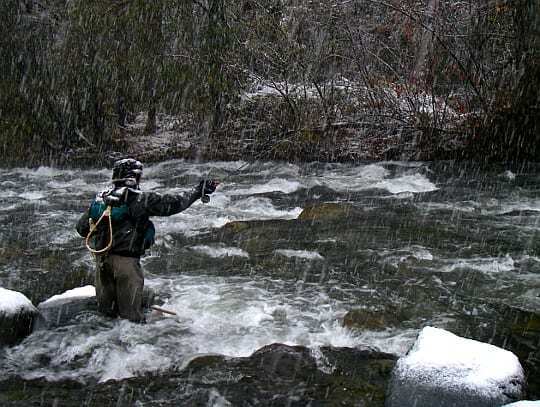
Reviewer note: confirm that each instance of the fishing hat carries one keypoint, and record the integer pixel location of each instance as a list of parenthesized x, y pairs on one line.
[(127, 172)]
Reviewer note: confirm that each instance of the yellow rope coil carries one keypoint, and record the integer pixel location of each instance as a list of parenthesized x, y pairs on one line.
[(93, 227)]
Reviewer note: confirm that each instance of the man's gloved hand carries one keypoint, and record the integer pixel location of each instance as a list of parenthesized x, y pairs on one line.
[(207, 187)]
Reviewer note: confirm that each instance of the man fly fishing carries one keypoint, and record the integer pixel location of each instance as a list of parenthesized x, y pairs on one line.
[(118, 230)]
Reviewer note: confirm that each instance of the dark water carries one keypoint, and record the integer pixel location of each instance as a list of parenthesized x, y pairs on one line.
[(431, 244)]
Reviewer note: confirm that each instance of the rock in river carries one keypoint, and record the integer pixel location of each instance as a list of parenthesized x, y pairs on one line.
[(445, 370), (16, 316), (368, 319), (61, 308)]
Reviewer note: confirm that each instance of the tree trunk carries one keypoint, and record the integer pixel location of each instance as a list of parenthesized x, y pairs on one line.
[(426, 41)]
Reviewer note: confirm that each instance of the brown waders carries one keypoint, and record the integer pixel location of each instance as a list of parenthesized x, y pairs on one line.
[(119, 286)]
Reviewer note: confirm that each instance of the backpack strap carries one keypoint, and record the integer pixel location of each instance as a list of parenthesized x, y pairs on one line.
[(93, 226)]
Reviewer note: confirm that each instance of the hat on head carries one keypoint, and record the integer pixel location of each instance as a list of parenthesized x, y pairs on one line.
[(127, 172)]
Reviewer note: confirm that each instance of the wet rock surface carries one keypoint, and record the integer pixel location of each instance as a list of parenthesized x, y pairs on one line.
[(15, 327), (275, 375)]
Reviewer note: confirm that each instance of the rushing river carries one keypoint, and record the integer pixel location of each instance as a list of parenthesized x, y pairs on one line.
[(429, 239)]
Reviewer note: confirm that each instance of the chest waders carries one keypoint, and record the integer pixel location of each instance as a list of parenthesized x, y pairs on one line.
[(107, 213)]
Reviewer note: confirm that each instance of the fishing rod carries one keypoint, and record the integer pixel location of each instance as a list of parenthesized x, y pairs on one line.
[(206, 198)]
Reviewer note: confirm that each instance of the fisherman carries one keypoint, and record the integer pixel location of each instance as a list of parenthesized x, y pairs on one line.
[(118, 230)]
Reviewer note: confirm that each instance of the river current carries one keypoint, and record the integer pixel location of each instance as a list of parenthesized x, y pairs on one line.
[(233, 298)]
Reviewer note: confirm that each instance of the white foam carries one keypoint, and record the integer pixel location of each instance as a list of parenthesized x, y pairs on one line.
[(509, 175), (42, 172), (522, 205), (84, 292), (366, 177), (219, 212), (274, 185), (301, 254), (8, 193), (32, 195), (216, 399), (373, 172), (408, 183), (233, 316), (13, 302), (350, 180), (129, 362), (445, 360), (524, 403), (236, 317), (150, 185), (74, 183), (218, 252), (483, 264), (65, 236)]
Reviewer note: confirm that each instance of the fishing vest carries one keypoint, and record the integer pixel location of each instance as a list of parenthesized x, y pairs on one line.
[(120, 214)]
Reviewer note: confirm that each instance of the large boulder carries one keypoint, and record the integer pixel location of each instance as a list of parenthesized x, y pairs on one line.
[(16, 316), (445, 370)]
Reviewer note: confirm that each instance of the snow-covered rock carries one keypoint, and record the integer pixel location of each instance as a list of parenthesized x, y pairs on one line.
[(79, 292), (61, 308), (524, 404), (16, 316), (445, 370)]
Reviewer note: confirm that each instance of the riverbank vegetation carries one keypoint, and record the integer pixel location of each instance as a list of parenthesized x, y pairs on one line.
[(273, 79)]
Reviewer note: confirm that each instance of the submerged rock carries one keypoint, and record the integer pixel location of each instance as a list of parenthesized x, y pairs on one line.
[(16, 316), (445, 370), (326, 211), (370, 319)]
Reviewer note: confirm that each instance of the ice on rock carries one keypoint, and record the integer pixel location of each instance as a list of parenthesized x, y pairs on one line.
[(443, 370)]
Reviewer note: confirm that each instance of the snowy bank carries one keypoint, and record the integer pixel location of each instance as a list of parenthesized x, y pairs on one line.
[(443, 370), (16, 316)]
